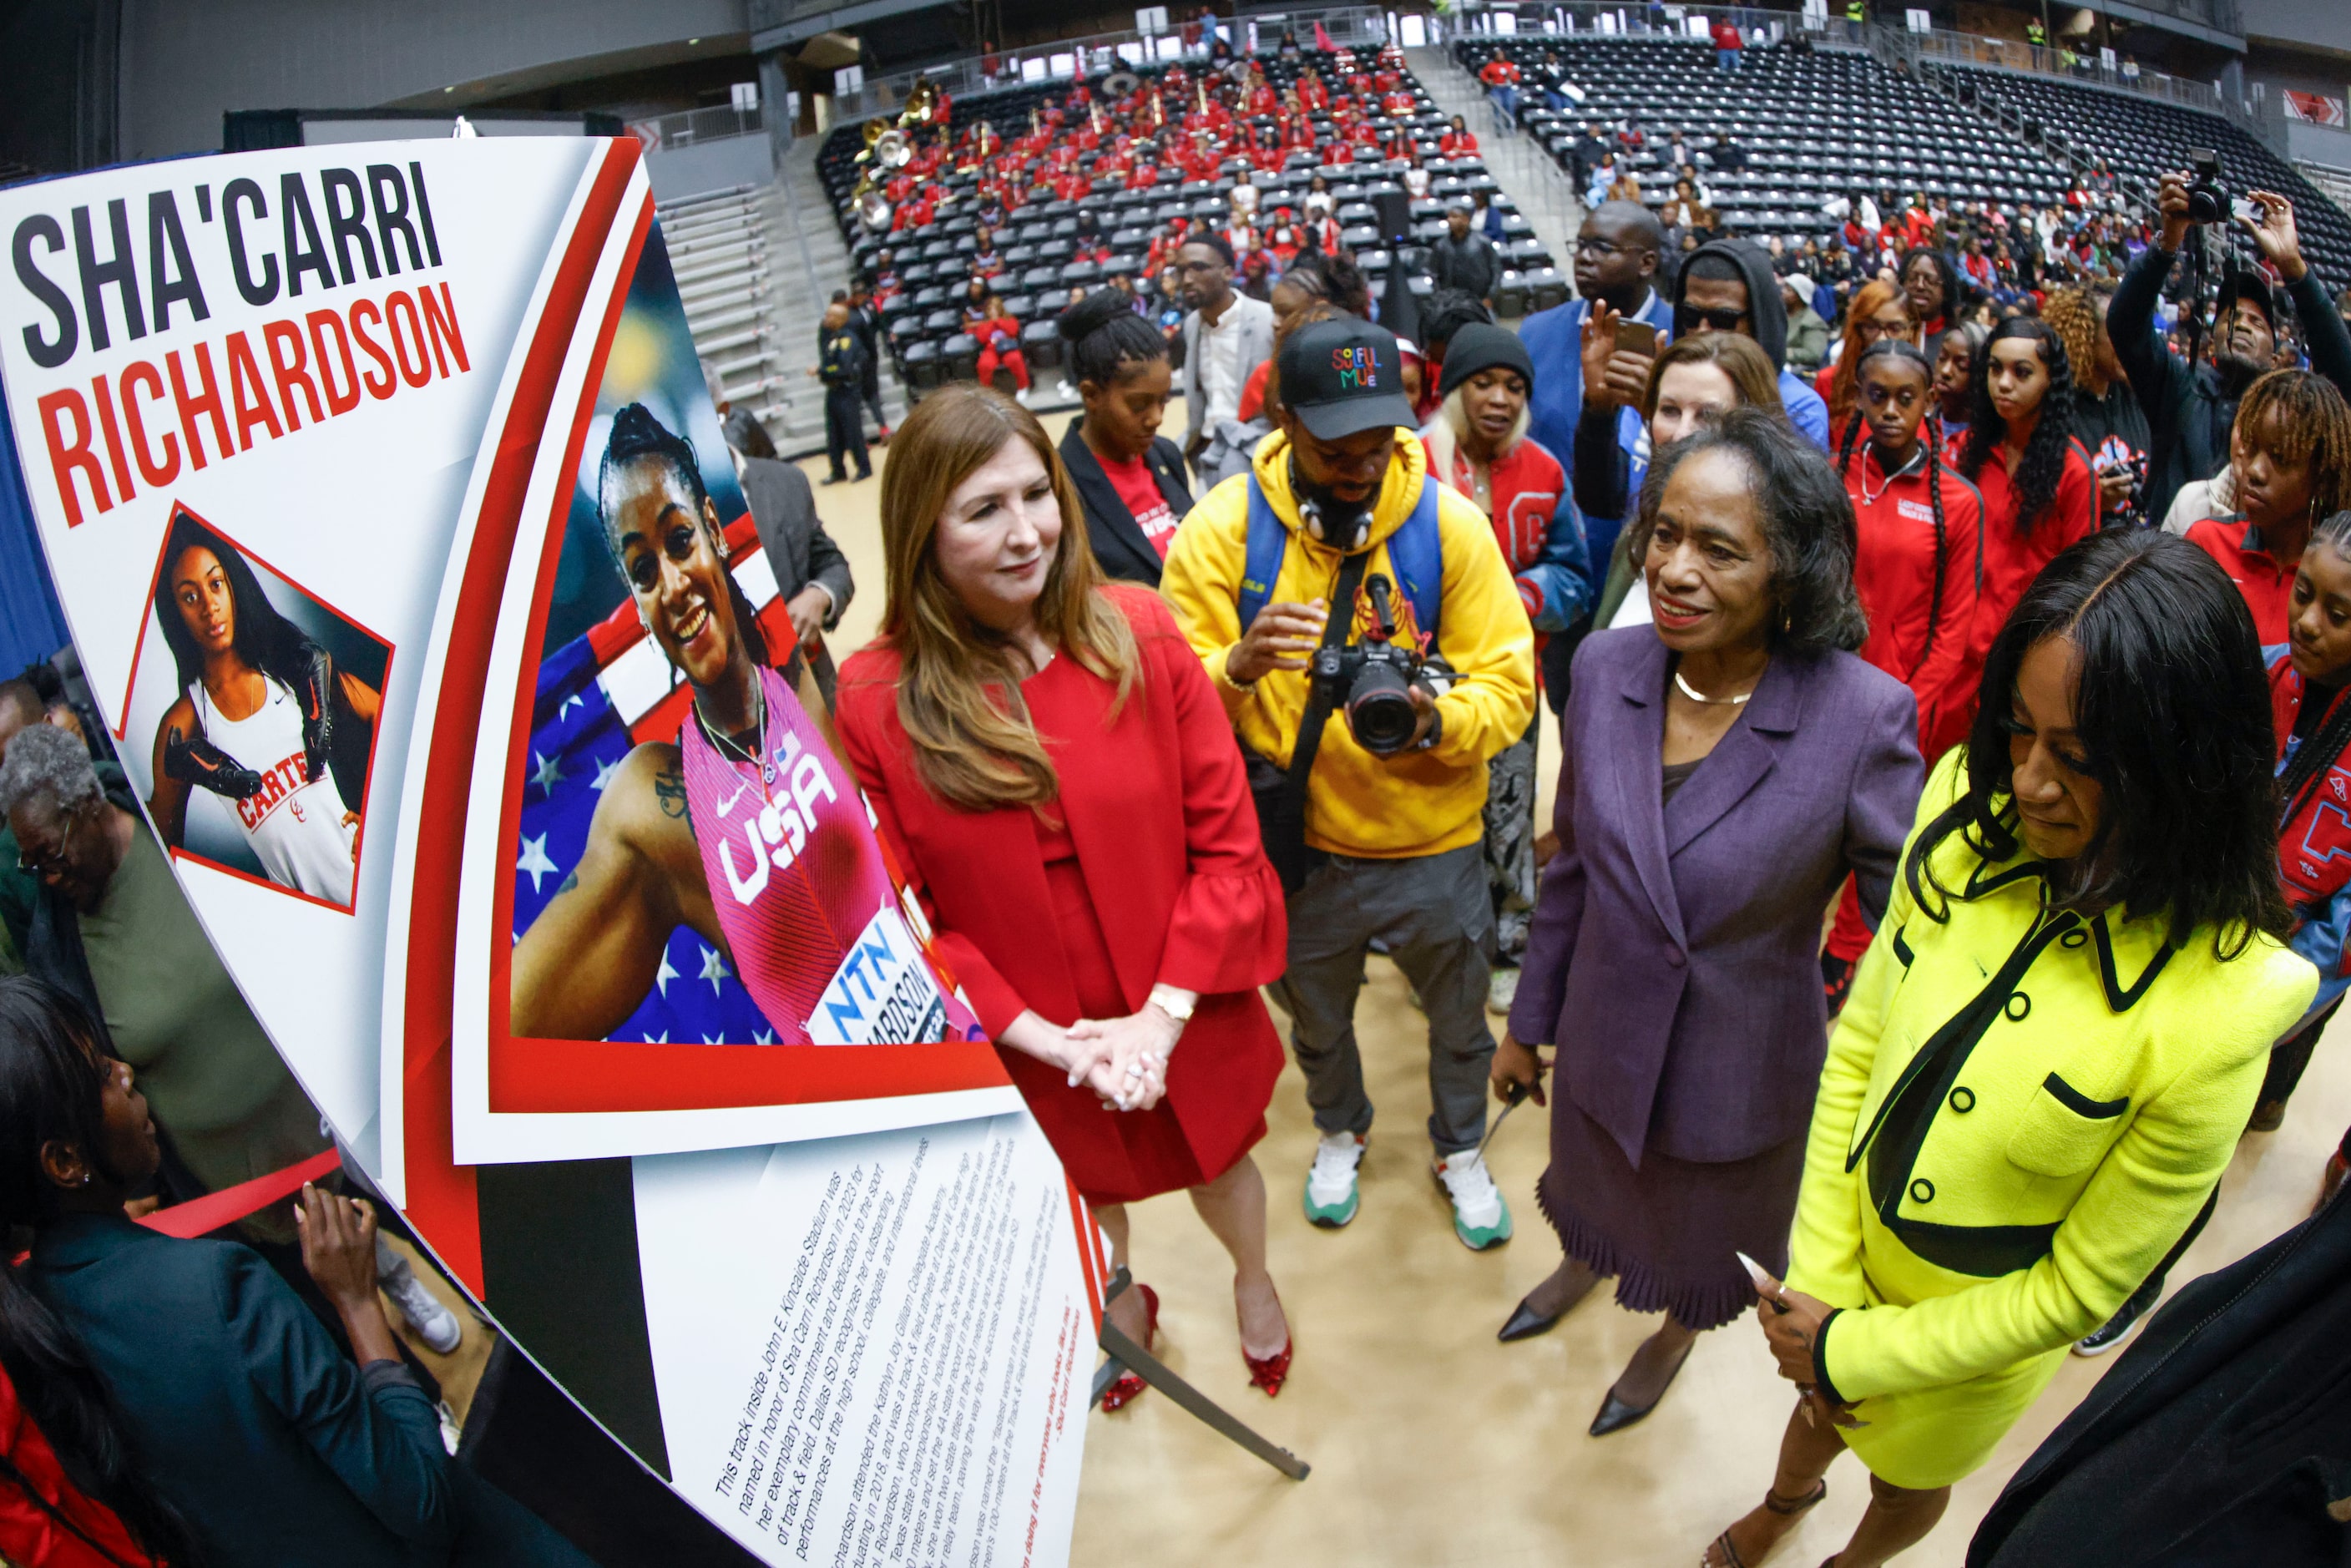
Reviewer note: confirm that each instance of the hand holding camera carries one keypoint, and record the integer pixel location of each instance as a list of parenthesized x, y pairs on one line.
[(2171, 200), (1381, 683)]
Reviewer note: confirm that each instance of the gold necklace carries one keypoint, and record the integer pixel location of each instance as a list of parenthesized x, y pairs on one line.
[(1696, 695)]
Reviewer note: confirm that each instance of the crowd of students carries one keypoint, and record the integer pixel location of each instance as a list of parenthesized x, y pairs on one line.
[(1900, 638), (1876, 640)]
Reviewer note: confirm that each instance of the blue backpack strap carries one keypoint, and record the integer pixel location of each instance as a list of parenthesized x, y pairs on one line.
[(1268, 542), (1416, 555)]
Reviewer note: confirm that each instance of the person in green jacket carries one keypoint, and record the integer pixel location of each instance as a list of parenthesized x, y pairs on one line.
[(2052, 1044)]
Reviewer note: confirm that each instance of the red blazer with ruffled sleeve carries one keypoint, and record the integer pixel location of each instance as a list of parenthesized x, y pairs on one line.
[(1158, 805)]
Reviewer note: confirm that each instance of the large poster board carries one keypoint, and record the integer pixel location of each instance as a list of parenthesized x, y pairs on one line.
[(411, 577)]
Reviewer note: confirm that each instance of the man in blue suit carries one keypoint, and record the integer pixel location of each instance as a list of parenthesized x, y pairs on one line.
[(1616, 257)]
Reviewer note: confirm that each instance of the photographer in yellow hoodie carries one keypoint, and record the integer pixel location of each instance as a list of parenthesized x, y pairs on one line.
[(1338, 511)]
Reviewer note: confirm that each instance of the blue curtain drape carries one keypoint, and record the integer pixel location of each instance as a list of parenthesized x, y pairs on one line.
[(32, 626)]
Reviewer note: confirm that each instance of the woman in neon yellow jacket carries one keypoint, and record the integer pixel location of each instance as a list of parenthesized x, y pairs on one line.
[(2052, 1045)]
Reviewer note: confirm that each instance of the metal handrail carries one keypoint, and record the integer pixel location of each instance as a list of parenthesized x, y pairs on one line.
[(668, 132), (2085, 70), (1651, 20)]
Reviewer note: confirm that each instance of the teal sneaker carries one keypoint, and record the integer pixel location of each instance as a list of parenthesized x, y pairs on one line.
[(1331, 1199), (1481, 1218)]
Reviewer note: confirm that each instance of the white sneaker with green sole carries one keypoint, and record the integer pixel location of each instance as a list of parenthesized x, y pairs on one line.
[(1481, 1218), (1331, 1198)]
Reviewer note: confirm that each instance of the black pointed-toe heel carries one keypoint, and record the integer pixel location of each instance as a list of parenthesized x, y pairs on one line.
[(1615, 1414), (1526, 1322)]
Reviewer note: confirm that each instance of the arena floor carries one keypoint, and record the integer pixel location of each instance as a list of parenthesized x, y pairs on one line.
[(1431, 1444)]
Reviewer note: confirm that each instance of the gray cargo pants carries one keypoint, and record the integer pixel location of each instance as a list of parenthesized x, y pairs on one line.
[(1435, 917)]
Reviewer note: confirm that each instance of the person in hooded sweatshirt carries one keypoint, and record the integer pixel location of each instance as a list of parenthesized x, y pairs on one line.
[(1728, 286)]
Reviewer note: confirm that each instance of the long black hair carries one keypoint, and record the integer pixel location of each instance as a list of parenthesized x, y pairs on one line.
[(2173, 716), (1107, 340), (2043, 464), (52, 1083), (263, 638), (636, 436), (1898, 349), (1806, 517), (2315, 756)]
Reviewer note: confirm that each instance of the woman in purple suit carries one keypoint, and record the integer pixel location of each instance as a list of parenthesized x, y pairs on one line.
[(1726, 769)]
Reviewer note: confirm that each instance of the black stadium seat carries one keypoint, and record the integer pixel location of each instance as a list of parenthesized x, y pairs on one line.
[(1037, 242)]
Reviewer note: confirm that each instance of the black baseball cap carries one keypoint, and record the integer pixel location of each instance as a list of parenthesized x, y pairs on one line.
[(2250, 289), (1341, 378)]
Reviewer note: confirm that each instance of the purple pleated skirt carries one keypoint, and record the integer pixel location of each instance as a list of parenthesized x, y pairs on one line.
[(1669, 1231)]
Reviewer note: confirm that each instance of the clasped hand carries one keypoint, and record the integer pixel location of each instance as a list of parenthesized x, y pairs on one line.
[(1124, 1059)]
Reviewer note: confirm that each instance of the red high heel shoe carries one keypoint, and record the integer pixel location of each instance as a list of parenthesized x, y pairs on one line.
[(1267, 1372), (1128, 1386)]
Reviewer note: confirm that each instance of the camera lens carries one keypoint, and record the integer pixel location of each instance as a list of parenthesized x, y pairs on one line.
[(1379, 710)]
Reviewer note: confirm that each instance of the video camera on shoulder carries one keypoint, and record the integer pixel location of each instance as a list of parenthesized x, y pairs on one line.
[(1371, 681)]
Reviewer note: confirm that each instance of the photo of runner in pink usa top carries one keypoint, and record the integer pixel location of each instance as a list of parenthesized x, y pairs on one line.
[(805, 902), (746, 829)]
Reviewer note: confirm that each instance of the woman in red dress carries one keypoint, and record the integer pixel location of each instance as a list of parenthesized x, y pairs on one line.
[(2034, 477), (1043, 750)]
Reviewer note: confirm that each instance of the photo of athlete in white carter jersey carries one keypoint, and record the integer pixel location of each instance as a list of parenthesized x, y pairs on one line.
[(264, 721)]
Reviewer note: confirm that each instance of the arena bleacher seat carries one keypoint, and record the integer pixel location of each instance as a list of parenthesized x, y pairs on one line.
[(1037, 239), (1812, 125), (2141, 138), (1817, 123)]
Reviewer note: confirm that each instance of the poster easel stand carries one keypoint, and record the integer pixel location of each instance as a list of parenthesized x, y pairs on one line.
[(1125, 1356)]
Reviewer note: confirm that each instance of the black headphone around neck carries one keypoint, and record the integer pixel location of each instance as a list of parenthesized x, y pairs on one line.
[(1326, 517)]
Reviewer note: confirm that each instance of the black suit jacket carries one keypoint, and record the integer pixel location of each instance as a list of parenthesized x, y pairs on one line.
[(250, 1421), (783, 508), (1119, 543), (2221, 1438)]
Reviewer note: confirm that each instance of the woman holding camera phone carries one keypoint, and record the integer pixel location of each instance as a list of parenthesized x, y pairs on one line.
[(1045, 751), (1725, 771)]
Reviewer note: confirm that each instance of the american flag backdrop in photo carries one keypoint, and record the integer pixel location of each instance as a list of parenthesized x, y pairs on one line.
[(598, 696)]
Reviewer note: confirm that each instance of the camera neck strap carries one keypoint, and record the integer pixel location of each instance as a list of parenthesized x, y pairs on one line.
[(1335, 629)]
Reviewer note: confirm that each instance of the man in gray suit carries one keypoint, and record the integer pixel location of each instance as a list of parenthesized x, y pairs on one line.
[(1227, 335), (811, 571)]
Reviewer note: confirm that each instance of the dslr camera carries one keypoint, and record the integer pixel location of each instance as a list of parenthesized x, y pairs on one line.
[(2207, 199), (1371, 681)]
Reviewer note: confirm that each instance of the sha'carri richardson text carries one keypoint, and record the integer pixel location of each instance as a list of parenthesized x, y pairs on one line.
[(316, 250)]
